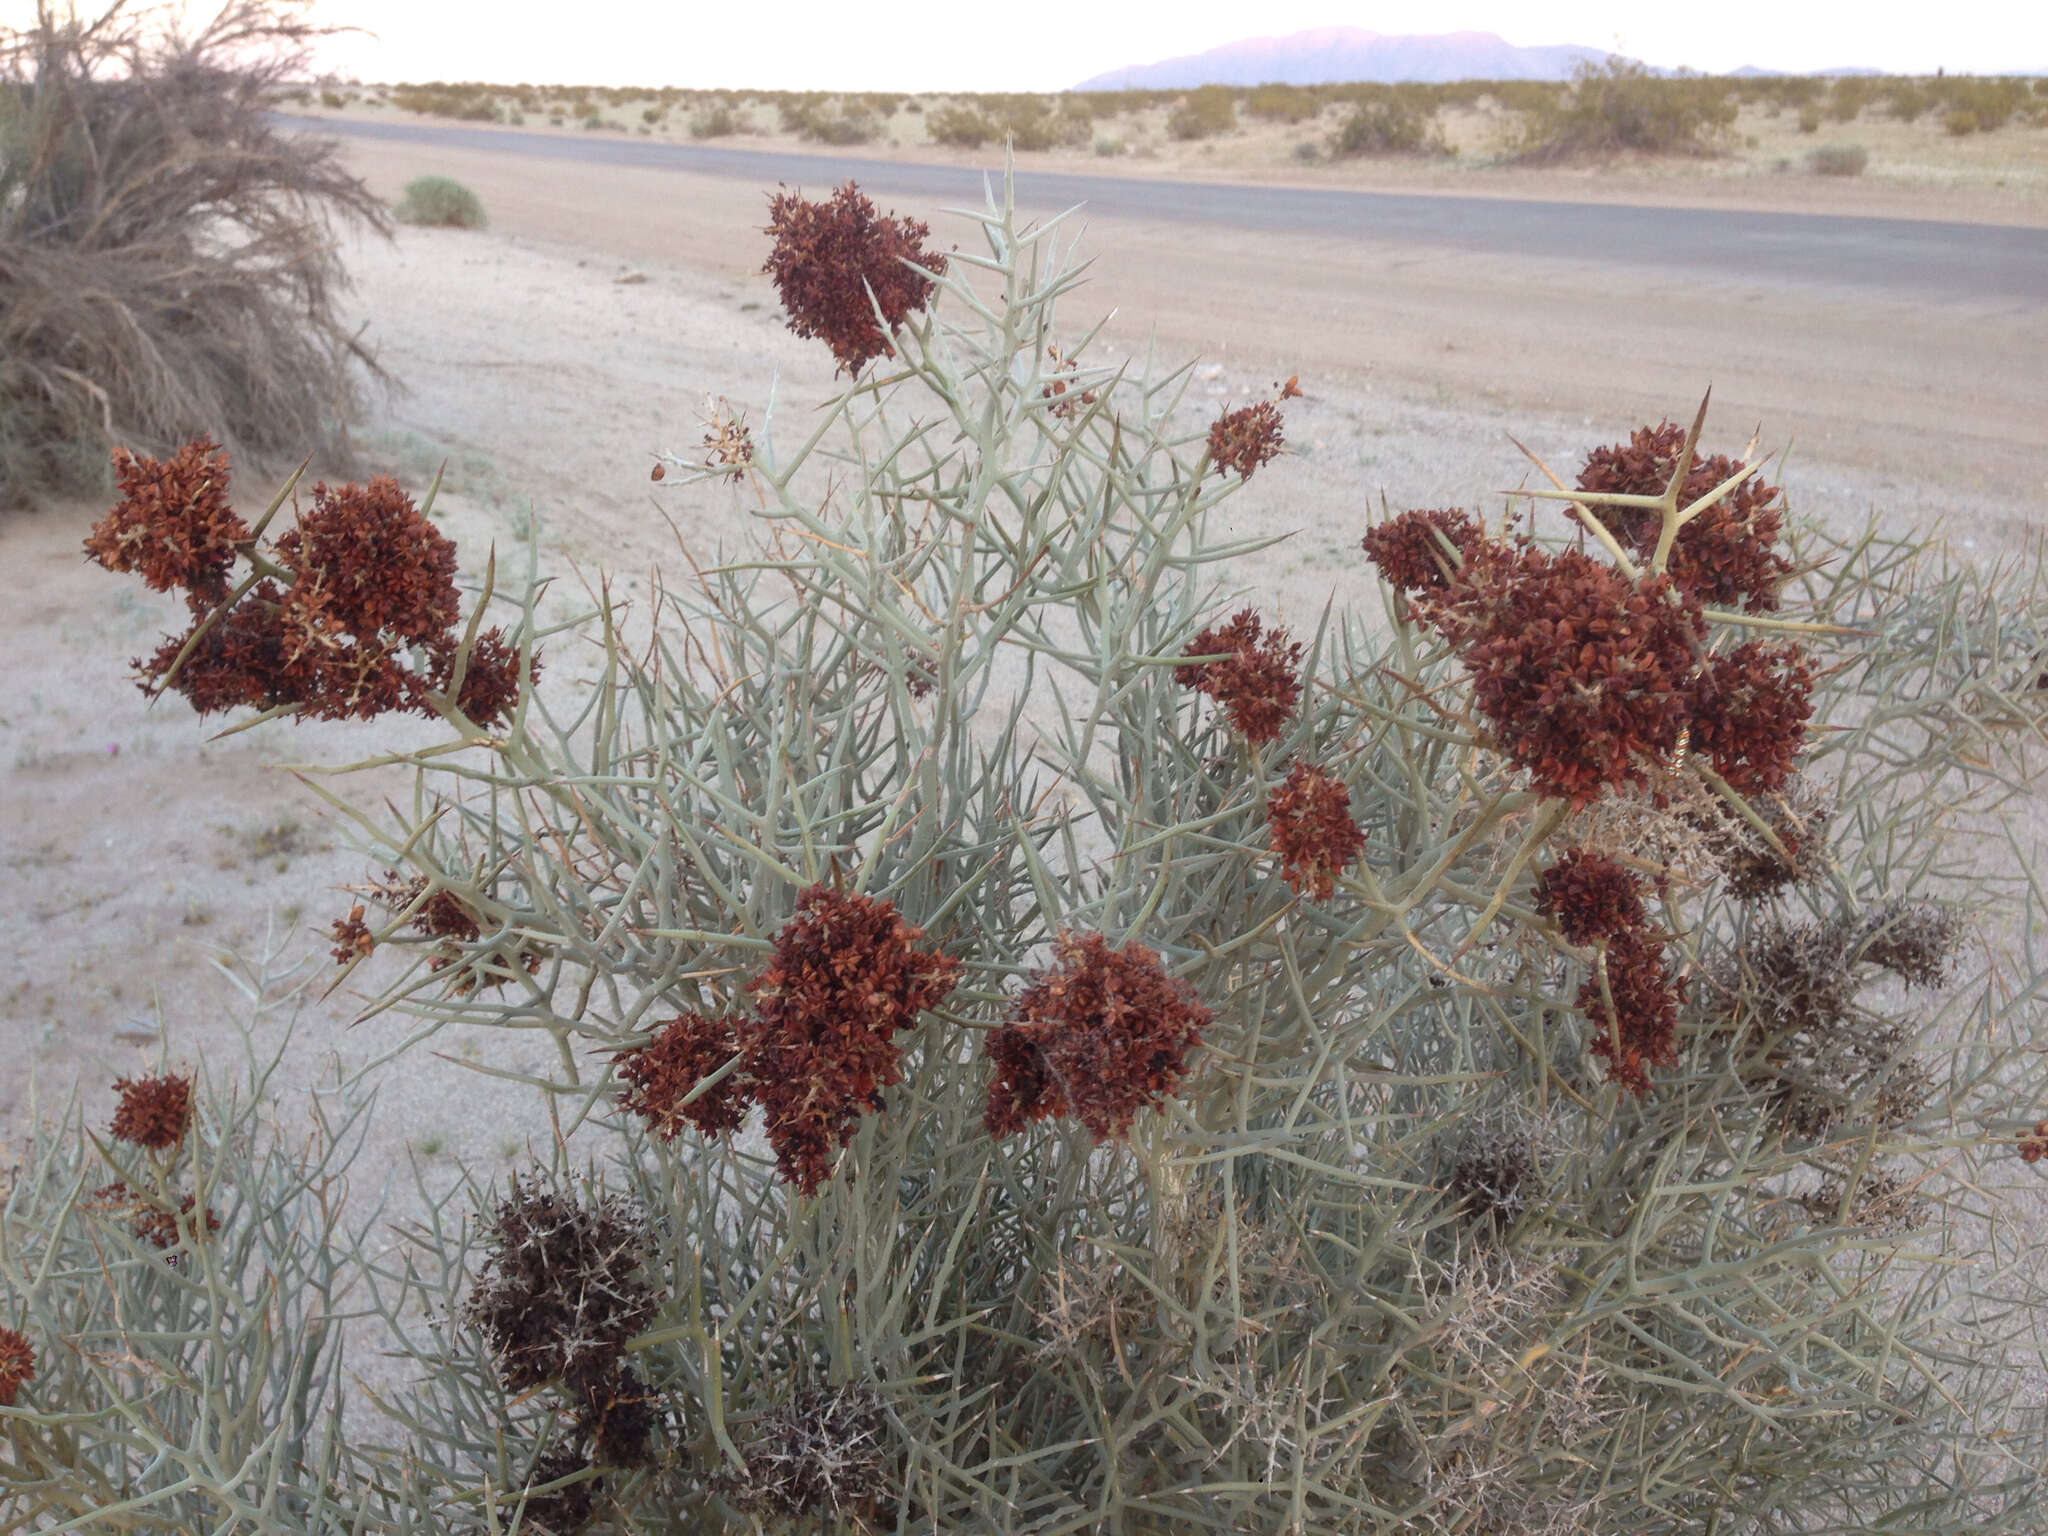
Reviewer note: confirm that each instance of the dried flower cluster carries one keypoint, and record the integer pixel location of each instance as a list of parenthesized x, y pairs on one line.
[(568, 1509), (825, 1454), (2035, 1147), (1422, 551), (829, 257), (1590, 897), (1640, 1030), (1257, 680), (17, 1365), (1751, 868), (1915, 940), (820, 1046), (150, 1221), (1494, 1179), (1590, 680), (1064, 404), (562, 1289), (1246, 439), (1818, 1058), (154, 1112), (1099, 1036), (1309, 816), (662, 1073), (1725, 555), (1882, 1201), (343, 600), (728, 445), (173, 525)]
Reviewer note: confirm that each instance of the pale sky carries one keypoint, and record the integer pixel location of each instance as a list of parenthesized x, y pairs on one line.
[(1042, 45)]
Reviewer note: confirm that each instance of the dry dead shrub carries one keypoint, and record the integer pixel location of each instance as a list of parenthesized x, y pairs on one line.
[(167, 261)]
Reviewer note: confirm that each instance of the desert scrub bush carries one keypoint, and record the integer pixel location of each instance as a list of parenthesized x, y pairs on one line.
[(716, 122), (167, 263), (1838, 160), (814, 118), (439, 201), (1622, 106), (1203, 113), (1386, 128), (1283, 103), (1031, 1044)]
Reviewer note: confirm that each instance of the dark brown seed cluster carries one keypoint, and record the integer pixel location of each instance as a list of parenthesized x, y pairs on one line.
[(1751, 868), (1590, 897), (1258, 679), (823, 1455), (1817, 1057), (820, 1047), (1915, 940), (154, 1112), (1494, 1179), (2035, 1147), (1099, 1036), (1725, 556), (567, 1510), (328, 631), (1246, 439), (173, 525), (661, 1074), (17, 1365), (619, 1416), (830, 256), (1882, 1201), (1309, 817), (1641, 1029), (562, 1289), (1422, 551)]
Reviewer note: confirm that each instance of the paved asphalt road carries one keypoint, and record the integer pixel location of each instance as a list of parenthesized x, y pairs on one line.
[(1905, 258)]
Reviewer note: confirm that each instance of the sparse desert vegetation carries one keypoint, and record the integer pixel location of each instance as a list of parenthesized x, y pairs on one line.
[(439, 202), (1946, 131)]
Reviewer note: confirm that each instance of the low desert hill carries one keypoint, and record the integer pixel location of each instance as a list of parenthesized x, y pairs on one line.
[(1329, 55)]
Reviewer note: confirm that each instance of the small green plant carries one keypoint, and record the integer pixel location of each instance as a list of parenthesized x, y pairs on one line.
[(1838, 160), (1203, 113), (439, 202)]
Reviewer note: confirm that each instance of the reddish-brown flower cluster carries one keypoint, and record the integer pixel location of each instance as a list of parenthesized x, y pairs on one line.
[(820, 1048), (1589, 680), (1310, 819), (1102, 1034), (684, 1051), (1257, 681), (363, 578), (1725, 555), (17, 1365), (1590, 897), (173, 525), (830, 256), (148, 1221), (1642, 1030), (1422, 551), (352, 937), (2032, 1148), (154, 1112), (1064, 404), (1749, 712), (1246, 439)]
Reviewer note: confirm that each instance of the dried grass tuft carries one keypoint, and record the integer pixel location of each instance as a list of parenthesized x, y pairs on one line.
[(167, 260)]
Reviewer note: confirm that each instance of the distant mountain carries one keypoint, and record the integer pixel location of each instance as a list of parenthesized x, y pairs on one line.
[(1751, 72), (1333, 54)]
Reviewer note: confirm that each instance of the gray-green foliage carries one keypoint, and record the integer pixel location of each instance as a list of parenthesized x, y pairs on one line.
[(439, 201), (950, 682)]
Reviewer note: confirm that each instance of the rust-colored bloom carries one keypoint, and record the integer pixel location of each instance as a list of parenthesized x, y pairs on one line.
[(1642, 1030), (827, 259), (844, 978), (1257, 681), (381, 565), (1725, 555), (17, 1365), (1749, 710), (1102, 1034), (2032, 1148), (1246, 439), (352, 937), (173, 525), (490, 683), (684, 1051), (1422, 551), (1590, 897), (149, 1221), (1309, 816), (1585, 677), (154, 1112)]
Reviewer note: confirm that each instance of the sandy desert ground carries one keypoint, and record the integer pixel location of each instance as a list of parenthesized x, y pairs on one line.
[(134, 851)]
